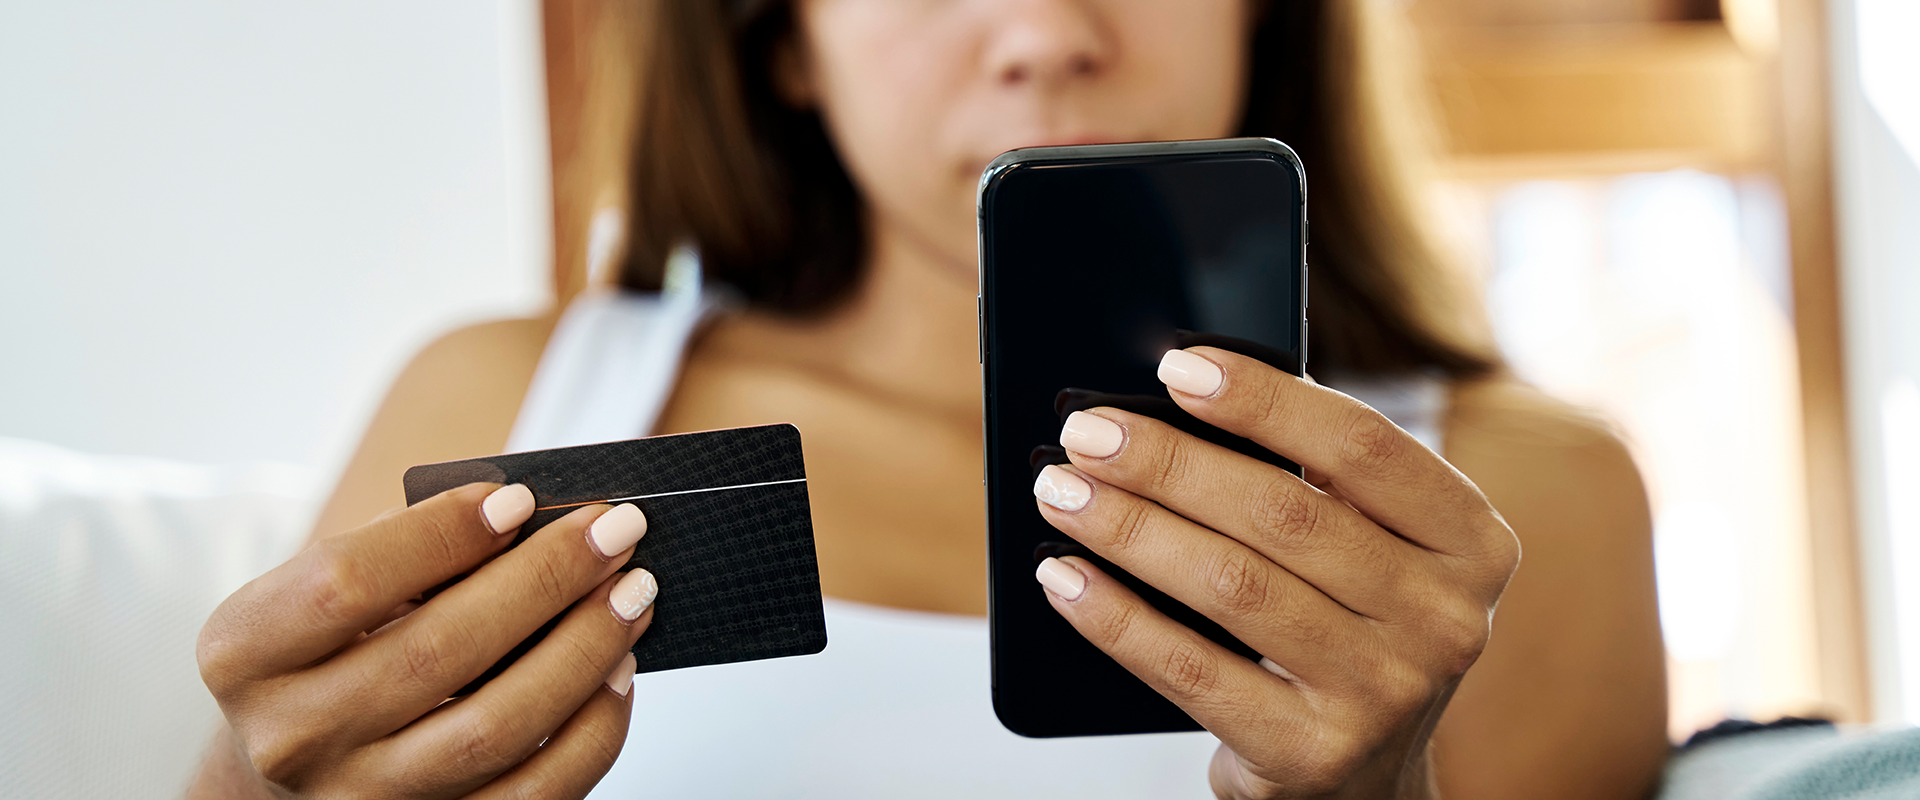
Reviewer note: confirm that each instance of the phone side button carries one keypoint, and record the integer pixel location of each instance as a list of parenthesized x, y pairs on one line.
[(980, 328), (1305, 331)]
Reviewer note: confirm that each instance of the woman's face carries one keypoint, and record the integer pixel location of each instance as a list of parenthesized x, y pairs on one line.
[(919, 95)]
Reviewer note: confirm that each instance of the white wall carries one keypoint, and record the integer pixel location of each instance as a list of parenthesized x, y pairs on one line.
[(225, 225), (1877, 173)]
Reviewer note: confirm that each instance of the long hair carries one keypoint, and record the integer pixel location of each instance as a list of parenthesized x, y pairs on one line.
[(716, 158)]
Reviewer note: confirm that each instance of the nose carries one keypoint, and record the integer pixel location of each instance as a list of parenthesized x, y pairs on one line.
[(1047, 43)]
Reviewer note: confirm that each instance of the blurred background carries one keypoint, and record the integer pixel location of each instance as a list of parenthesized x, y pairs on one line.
[(225, 226)]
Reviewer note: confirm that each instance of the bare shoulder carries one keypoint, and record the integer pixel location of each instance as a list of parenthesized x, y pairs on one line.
[(456, 398), (1524, 446), (1569, 698)]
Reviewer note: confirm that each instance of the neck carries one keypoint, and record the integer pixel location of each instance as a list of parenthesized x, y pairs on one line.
[(910, 330)]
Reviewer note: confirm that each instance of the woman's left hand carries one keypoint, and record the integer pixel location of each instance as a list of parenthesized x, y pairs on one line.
[(1369, 597)]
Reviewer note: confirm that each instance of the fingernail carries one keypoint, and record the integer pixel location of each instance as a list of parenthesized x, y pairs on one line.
[(620, 680), (617, 530), (1090, 435), (1061, 489), (507, 507), (632, 594), (1062, 580), (1189, 373)]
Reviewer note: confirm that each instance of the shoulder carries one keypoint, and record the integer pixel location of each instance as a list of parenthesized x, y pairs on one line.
[(1575, 664), (1524, 447), (496, 355), (456, 398)]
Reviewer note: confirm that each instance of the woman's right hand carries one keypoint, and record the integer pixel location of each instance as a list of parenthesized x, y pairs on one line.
[(335, 681)]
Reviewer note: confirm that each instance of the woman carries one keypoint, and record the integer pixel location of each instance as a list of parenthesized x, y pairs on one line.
[(821, 158)]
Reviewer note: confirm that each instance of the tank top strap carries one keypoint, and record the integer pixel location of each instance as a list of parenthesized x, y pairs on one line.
[(1417, 402), (610, 365)]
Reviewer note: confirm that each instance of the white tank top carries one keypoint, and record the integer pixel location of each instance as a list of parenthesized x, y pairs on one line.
[(898, 705)]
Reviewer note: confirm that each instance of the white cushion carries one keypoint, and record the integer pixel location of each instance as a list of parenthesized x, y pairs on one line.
[(109, 565)]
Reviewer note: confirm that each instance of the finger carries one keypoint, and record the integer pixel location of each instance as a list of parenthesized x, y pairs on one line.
[(1267, 607), (323, 598), (1234, 698), (1322, 540), (412, 665), (581, 752), (1379, 468), (504, 722)]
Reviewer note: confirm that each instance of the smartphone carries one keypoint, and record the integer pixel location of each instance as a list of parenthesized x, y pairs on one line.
[(1094, 261)]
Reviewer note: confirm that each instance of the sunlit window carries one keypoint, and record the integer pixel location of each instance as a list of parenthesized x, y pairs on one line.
[(1661, 300)]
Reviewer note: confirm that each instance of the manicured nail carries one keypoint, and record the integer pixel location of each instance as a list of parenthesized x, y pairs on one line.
[(632, 594), (1189, 373), (1090, 435), (1061, 579), (617, 530), (507, 507), (1062, 489), (620, 680)]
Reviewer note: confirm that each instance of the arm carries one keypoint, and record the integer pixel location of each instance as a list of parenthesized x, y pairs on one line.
[(1569, 698)]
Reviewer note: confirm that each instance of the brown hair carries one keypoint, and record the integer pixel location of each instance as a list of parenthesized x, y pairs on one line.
[(718, 160)]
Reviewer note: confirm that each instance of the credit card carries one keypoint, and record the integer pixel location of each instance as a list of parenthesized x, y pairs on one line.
[(729, 535)]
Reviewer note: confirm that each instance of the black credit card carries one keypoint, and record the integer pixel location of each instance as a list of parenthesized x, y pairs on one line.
[(729, 535)]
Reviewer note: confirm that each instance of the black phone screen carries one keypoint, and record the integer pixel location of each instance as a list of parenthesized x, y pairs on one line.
[(1095, 261)]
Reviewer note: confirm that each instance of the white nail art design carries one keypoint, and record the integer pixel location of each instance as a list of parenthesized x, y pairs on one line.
[(1061, 489)]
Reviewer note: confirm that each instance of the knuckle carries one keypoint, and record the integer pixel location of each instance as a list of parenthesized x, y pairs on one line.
[(485, 743), (1333, 758), (281, 754), (1506, 550), (216, 653), (1267, 410), (1284, 515), (444, 535), (1240, 586), (1461, 637), (1401, 689), (432, 654), (337, 589), (1174, 464), (585, 656), (1129, 528), (1188, 672), (551, 583), (1112, 629), (1371, 443)]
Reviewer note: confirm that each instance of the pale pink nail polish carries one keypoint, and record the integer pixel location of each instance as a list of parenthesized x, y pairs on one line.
[(1062, 489), (620, 680), (1189, 373), (617, 530), (1062, 580), (507, 507), (1091, 435), (632, 594)]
